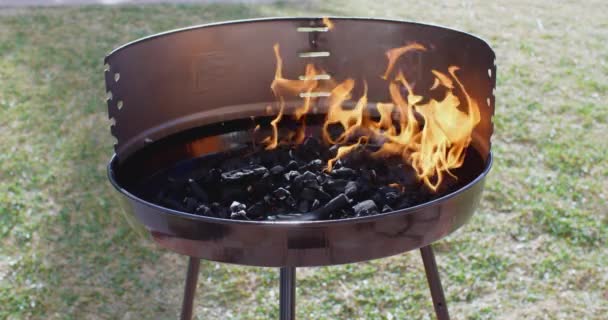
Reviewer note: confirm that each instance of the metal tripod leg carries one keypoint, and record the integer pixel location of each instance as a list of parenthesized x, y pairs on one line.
[(432, 276), (190, 288), (288, 293)]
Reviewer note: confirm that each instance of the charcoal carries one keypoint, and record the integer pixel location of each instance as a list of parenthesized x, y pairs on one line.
[(256, 210), (190, 204), (174, 184), (268, 200), (315, 164), (308, 194), (276, 170), (237, 210), (290, 202), (335, 186), (197, 191), (351, 188), (239, 215), (239, 175), (292, 165), (333, 150), (173, 204), (344, 172), (237, 206), (219, 210), (369, 175), (323, 196), (289, 184), (213, 177), (292, 175), (333, 205), (305, 177), (365, 208), (304, 206), (311, 145), (312, 184), (390, 194), (203, 210), (281, 193), (233, 192)]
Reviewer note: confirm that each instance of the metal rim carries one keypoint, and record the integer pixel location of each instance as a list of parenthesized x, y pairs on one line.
[(215, 24), (318, 223)]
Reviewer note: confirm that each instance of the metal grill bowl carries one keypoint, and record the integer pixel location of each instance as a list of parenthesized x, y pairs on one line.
[(192, 92)]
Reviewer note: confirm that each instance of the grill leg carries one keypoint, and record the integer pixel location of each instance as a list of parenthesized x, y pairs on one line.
[(288, 293), (432, 276), (190, 289)]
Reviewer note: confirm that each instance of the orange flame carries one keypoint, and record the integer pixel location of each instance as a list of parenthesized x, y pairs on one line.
[(429, 134), (328, 23)]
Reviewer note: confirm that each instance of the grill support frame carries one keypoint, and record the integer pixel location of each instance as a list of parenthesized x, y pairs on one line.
[(287, 290)]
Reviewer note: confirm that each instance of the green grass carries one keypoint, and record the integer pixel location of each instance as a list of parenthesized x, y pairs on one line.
[(536, 249)]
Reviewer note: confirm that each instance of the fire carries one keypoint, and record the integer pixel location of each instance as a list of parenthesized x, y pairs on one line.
[(429, 134)]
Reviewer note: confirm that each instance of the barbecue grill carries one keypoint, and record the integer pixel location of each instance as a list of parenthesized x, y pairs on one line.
[(198, 91)]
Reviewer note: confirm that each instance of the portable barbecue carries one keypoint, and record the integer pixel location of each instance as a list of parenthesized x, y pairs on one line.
[(183, 100)]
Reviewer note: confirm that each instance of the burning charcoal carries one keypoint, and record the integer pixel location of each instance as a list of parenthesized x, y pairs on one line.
[(365, 208), (351, 189), (386, 208), (308, 194), (333, 205), (315, 205), (197, 191), (190, 204), (237, 210), (256, 210), (203, 210), (304, 206), (292, 165), (344, 173), (276, 170)]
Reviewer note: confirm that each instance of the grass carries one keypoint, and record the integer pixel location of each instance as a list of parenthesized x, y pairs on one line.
[(536, 249)]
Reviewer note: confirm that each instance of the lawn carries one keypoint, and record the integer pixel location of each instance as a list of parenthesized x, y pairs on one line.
[(536, 249)]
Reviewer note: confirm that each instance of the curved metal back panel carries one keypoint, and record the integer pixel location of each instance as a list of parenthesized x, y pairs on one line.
[(182, 79)]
